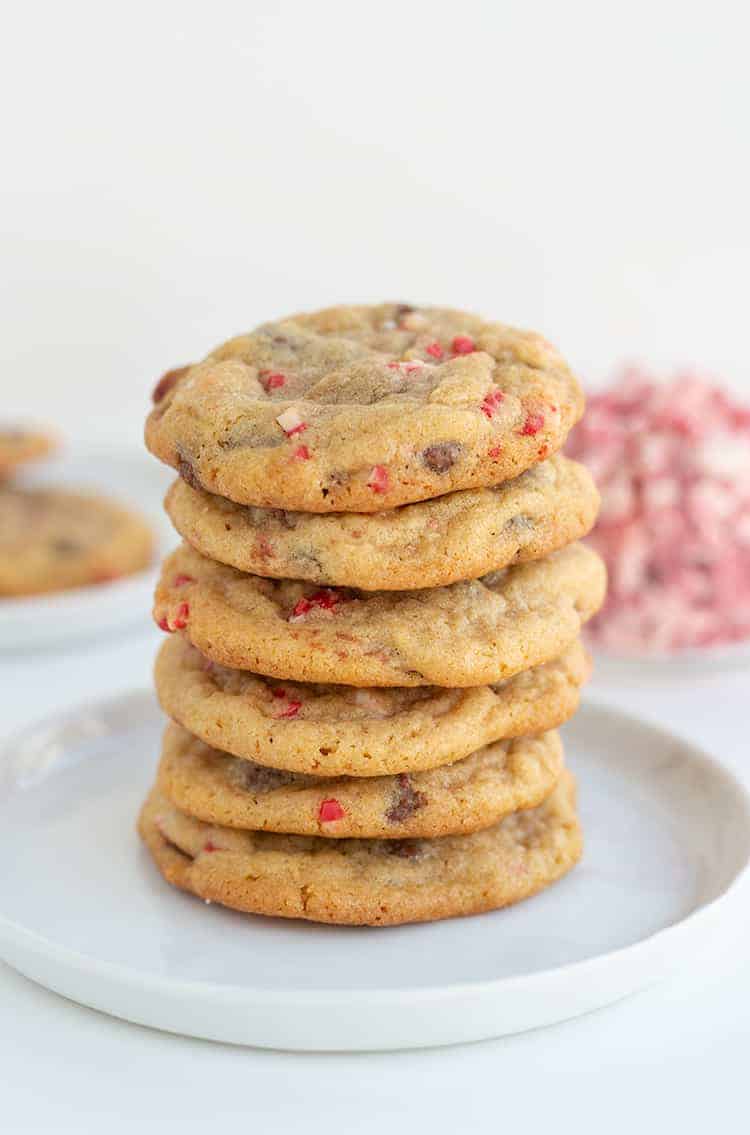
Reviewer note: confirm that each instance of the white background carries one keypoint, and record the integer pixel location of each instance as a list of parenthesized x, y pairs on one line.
[(173, 173), (176, 172)]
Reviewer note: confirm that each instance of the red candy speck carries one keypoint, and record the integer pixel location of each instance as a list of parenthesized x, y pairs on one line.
[(181, 617), (463, 345), (435, 350), (534, 422), (491, 402), (181, 580), (209, 845), (330, 810), (325, 600), (290, 710), (272, 380), (163, 625), (379, 480), (496, 451), (301, 453)]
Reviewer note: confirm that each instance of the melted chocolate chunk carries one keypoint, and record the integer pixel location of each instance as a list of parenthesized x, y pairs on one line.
[(404, 848), (439, 458), (259, 778), (187, 471), (166, 382), (406, 800)]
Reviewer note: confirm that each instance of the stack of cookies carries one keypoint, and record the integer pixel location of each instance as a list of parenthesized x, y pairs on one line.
[(374, 617)]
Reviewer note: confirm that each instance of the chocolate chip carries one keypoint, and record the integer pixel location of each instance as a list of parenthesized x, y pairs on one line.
[(166, 382), (65, 547), (259, 778), (439, 458), (187, 471), (404, 848), (406, 801), (285, 519)]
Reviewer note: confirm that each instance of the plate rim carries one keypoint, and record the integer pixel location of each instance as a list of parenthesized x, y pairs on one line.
[(15, 934)]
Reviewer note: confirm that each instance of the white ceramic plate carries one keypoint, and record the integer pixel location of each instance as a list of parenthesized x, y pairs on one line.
[(132, 478), (84, 912)]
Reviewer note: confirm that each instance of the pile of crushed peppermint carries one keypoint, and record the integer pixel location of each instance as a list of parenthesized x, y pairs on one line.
[(672, 461)]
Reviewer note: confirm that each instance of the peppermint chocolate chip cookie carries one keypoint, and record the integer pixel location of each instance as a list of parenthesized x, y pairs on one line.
[(334, 730), (462, 797), (372, 882), (19, 445), (467, 634), (462, 535), (53, 539), (359, 409)]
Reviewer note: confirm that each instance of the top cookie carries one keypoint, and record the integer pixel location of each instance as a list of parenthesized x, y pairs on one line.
[(363, 408)]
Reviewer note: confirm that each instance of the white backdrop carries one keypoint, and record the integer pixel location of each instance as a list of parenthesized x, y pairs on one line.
[(176, 172)]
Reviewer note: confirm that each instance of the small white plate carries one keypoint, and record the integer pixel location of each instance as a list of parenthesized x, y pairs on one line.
[(132, 478), (84, 912)]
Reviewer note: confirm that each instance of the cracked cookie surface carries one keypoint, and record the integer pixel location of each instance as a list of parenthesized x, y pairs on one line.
[(467, 634), (335, 730), (462, 797), (358, 409), (366, 882), (461, 535), (52, 539)]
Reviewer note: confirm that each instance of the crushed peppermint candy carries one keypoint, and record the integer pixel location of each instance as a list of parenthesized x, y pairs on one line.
[(292, 422), (672, 461), (434, 350), (323, 600), (330, 810), (463, 345), (301, 453), (272, 380), (533, 424), (408, 366), (180, 580), (379, 480), (491, 402)]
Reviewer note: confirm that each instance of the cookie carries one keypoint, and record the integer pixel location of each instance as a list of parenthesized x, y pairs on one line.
[(19, 445), (358, 409), (467, 634), (462, 797), (334, 730), (52, 539), (459, 536), (372, 882)]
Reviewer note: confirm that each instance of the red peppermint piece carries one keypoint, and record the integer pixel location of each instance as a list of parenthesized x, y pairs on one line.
[(209, 845), (463, 345), (163, 625), (301, 453), (181, 580), (435, 350), (180, 620), (325, 599), (491, 402), (408, 366), (330, 810), (534, 422), (496, 451), (290, 710), (379, 480), (272, 380)]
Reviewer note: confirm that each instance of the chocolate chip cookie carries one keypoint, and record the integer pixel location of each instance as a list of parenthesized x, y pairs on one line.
[(472, 793), (467, 634), (462, 535), (370, 881), (52, 539), (334, 730), (359, 409)]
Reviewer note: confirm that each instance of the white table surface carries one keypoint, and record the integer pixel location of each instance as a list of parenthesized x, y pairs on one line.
[(676, 1053)]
